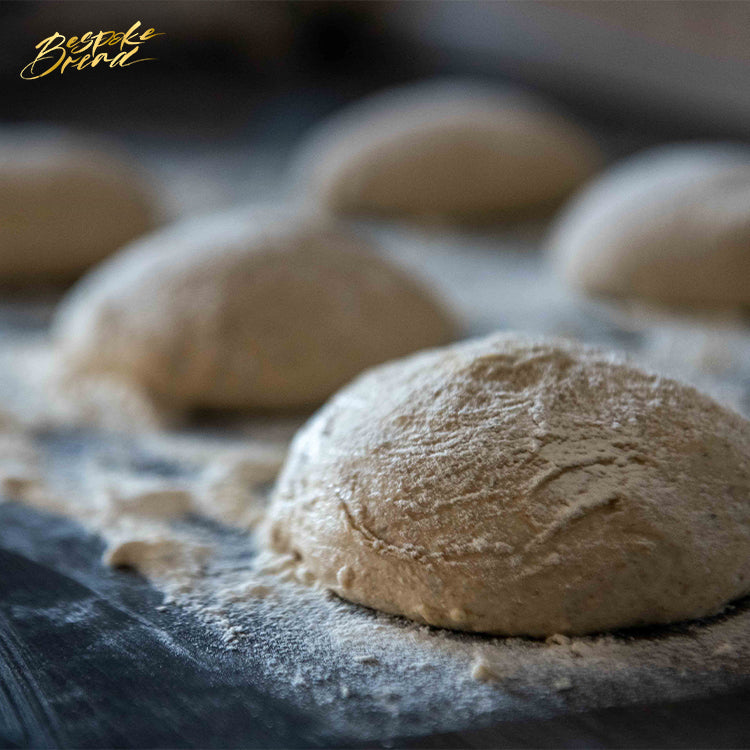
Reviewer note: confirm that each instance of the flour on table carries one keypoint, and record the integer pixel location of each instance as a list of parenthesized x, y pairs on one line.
[(19, 461), (323, 653), (42, 395), (229, 488)]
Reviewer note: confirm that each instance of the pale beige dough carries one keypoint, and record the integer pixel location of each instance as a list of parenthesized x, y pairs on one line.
[(66, 202), (671, 225), (451, 151), (523, 487), (253, 309)]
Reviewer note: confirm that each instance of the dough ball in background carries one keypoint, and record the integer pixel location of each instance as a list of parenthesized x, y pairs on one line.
[(66, 202), (446, 151), (250, 309), (671, 226), (524, 487)]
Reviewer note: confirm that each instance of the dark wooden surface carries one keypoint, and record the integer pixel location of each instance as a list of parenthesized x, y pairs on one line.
[(86, 660)]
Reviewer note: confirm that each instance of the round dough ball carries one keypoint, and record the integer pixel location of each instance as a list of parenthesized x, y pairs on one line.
[(521, 487), (65, 203), (456, 151), (248, 309), (671, 225)]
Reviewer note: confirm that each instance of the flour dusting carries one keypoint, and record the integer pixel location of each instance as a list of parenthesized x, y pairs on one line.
[(326, 654)]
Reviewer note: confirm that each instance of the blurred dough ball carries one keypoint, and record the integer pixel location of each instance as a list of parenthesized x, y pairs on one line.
[(445, 150), (66, 202), (246, 309), (671, 225)]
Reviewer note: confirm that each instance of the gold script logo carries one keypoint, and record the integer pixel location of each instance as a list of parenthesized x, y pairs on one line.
[(58, 52)]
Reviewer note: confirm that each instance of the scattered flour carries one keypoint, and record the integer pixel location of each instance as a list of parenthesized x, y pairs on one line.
[(42, 395), (19, 469), (229, 488), (326, 654)]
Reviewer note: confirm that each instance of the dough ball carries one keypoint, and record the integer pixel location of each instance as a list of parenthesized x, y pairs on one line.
[(458, 152), (65, 203), (670, 226), (521, 487), (248, 309)]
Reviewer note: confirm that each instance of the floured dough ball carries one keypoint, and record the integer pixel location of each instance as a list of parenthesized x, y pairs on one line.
[(670, 226), (447, 151), (65, 203), (248, 309), (521, 487)]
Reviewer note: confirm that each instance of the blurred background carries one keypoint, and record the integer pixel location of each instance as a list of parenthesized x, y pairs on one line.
[(260, 73), (217, 117), (226, 68)]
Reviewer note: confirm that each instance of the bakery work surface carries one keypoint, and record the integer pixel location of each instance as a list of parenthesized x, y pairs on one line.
[(95, 656), (89, 660)]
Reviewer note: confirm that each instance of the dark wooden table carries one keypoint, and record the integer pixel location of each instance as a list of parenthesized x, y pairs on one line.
[(88, 661)]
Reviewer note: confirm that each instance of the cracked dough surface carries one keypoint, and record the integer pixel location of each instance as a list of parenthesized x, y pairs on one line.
[(253, 308), (521, 486)]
